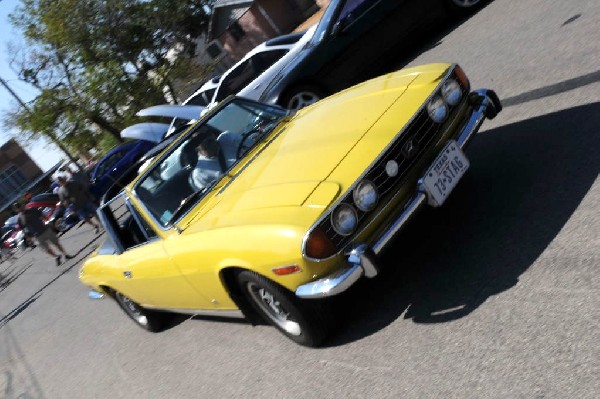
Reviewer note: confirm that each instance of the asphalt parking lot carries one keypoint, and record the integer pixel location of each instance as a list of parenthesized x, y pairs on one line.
[(494, 295)]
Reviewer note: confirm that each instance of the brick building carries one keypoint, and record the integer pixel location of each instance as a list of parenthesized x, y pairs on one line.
[(19, 174), (237, 26)]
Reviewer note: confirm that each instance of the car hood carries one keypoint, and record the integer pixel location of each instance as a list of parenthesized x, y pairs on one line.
[(294, 166), (149, 131), (189, 112)]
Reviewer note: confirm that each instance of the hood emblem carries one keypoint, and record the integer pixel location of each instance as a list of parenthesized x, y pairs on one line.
[(410, 149)]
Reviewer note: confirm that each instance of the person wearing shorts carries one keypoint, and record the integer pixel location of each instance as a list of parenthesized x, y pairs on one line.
[(76, 193), (31, 219)]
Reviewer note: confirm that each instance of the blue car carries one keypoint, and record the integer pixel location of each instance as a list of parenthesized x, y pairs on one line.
[(115, 163)]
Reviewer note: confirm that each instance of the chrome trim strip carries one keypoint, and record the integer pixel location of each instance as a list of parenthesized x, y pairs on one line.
[(409, 210), (234, 314)]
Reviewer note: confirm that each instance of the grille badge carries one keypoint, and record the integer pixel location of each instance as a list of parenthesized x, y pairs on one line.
[(410, 149)]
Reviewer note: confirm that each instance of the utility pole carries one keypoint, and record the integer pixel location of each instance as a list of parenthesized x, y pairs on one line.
[(26, 108)]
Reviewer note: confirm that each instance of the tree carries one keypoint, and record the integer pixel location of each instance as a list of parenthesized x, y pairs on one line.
[(96, 63)]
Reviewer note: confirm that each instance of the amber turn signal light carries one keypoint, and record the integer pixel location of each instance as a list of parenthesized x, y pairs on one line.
[(462, 78), (284, 270)]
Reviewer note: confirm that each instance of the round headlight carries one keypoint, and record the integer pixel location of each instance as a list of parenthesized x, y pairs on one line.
[(437, 109), (344, 219), (365, 196), (451, 92)]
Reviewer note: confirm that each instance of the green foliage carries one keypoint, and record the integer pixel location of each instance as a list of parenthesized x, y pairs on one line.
[(96, 63)]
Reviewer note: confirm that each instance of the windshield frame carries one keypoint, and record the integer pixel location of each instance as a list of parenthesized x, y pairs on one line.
[(184, 137)]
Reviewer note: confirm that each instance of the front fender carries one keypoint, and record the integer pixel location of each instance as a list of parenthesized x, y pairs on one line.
[(202, 256)]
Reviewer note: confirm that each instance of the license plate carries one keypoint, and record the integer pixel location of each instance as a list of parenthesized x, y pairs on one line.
[(444, 173)]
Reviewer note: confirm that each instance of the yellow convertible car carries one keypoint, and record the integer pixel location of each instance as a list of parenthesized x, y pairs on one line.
[(258, 211)]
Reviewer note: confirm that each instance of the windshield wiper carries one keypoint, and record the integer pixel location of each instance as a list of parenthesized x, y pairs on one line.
[(190, 201)]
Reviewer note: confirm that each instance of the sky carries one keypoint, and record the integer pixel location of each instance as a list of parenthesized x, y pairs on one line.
[(44, 154)]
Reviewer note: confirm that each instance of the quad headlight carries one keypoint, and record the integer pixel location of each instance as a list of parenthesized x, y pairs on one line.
[(451, 92), (437, 109), (365, 196), (344, 219)]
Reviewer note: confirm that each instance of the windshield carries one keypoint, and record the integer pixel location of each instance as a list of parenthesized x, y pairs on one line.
[(197, 162)]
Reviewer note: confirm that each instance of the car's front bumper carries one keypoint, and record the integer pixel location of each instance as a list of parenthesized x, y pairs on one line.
[(362, 258)]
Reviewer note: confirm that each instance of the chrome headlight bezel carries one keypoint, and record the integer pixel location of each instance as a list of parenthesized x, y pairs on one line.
[(344, 219), (437, 109), (451, 92), (360, 196)]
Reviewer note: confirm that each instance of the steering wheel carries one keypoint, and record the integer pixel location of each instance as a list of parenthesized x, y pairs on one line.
[(247, 142)]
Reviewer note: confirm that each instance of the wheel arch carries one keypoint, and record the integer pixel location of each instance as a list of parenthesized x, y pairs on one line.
[(228, 276), (106, 289), (285, 93)]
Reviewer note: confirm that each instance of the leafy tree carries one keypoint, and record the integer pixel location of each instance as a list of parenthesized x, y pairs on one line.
[(96, 63)]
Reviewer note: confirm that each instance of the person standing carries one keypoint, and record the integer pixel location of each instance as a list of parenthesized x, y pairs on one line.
[(78, 175), (32, 220), (76, 193), (5, 251)]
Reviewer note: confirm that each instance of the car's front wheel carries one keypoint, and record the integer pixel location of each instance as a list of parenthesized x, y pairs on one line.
[(302, 96), (304, 321), (147, 319), (463, 7)]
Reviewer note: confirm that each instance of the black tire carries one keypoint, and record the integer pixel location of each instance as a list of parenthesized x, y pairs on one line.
[(306, 322), (146, 319), (301, 96), (462, 8)]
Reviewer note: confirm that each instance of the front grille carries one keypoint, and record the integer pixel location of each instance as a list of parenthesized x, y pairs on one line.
[(423, 133)]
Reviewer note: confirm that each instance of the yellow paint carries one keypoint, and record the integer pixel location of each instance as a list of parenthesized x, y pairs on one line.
[(257, 217)]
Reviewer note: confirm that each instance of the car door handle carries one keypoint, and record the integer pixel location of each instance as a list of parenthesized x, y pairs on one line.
[(127, 274)]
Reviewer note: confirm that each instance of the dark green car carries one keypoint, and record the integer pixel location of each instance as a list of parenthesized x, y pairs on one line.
[(354, 41)]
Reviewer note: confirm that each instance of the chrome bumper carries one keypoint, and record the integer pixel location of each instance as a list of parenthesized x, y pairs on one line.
[(362, 259)]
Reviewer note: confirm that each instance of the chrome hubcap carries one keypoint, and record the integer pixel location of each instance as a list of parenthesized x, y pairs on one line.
[(465, 3), (302, 99), (273, 309)]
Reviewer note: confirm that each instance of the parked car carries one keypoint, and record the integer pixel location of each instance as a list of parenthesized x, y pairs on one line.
[(52, 211), (304, 203), (9, 231), (64, 218), (117, 161), (353, 41), (252, 74), (182, 115), (14, 236), (201, 97), (46, 203)]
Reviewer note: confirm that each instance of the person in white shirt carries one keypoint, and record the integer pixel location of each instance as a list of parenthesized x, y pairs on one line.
[(211, 164)]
